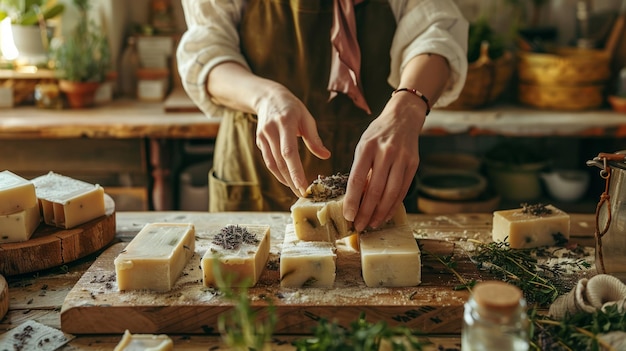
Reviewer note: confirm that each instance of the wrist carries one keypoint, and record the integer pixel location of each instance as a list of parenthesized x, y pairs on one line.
[(417, 94)]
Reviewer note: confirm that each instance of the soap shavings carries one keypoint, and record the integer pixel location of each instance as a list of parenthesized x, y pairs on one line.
[(232, 237)]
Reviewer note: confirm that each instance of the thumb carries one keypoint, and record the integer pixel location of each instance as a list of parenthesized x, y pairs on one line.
[(312, 139)]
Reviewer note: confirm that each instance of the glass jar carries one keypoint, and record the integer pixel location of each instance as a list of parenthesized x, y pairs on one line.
[(48, 96), (495, 319)]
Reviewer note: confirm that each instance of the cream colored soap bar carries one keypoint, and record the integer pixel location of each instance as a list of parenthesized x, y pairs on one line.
[(306, 263), (16, 193), (67, 202), (144, 342), (241, 251), (154, 259), (324, 221), (20, 226), (390, 257), (526, 230)]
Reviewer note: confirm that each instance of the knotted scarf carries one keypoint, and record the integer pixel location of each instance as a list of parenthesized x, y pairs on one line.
[(345, 67)]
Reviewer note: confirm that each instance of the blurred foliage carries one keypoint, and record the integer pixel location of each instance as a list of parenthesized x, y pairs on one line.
[(480, 31), (28, 12)]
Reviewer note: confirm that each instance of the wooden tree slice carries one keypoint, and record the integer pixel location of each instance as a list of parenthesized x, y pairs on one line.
[(4, 297), (50, 246)]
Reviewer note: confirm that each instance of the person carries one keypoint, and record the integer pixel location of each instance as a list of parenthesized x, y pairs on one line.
[(308, 88)]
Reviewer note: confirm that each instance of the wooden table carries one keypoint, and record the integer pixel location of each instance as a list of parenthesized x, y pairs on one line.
[(40, 296)]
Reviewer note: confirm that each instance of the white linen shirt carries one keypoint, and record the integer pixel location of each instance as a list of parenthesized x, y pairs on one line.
[(423, 26)]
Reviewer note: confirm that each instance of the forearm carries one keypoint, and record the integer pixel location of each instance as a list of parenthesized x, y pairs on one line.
[(427, 74), (231, 85)]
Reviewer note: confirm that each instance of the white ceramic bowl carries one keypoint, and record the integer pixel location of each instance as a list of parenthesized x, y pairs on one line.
[(566, 185)]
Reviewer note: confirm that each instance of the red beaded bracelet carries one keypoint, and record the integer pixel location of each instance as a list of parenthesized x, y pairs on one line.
[(417, 93)]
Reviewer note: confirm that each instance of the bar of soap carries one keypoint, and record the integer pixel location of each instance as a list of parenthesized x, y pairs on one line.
[(20, 226), (241, 252), (390, 257), (67, 202), (155, 258), (16, 193), (306, 263), (324, 221), (527, 228), (144, 342)]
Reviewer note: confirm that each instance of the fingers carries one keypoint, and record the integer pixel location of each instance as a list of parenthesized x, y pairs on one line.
[(277, 137), (376, 188), (312, 139)]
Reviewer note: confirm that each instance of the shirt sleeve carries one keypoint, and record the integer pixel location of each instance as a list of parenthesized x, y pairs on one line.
[(430, 26), (211, 38)]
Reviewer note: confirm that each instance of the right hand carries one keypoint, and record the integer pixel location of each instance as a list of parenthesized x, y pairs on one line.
[(282, 118)]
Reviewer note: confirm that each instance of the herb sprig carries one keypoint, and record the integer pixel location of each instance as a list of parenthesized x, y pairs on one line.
[(361, 336), (578, 331), (242, 328), (541, 284)]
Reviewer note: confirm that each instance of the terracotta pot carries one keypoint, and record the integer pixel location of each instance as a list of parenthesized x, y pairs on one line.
[(79, 94)]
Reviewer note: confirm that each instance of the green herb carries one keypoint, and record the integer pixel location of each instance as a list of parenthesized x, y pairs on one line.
[(361, 336), (84, 55), (28, 12), (578, 331), (450, 266), (517, 267), (243, 328)]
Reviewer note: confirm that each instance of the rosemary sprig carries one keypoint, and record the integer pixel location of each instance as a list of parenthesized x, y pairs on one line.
[(361, 336), (450, 264), (241, 328), (541, 284), (578, 331)]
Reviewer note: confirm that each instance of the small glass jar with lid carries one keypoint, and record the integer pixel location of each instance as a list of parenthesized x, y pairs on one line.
[(495, 318)]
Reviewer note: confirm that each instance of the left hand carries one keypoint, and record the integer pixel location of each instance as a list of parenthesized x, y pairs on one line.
[(385, 161)]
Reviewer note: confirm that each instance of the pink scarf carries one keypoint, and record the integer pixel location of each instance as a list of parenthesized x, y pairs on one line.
[(346, 56)]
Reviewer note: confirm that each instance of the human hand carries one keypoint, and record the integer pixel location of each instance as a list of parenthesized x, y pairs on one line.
[(282, 118), (385, 162)]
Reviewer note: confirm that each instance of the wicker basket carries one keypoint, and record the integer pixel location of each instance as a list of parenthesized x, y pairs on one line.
[(566, 66), (565, 78), (562, 97), (486, 80)]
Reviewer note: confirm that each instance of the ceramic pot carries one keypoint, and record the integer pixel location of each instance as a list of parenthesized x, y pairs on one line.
[(79, 94), (516, 182), (29, 42)]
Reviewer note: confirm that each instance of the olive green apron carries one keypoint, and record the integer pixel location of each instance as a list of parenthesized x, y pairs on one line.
[(289, 42)]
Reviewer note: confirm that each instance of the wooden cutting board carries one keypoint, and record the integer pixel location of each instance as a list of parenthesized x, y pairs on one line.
[(51, 247), (95, 306)]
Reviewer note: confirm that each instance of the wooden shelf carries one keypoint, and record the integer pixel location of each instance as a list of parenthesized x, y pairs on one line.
[(521, 121)]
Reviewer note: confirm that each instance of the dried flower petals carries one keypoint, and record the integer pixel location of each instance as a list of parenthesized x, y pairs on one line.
[(325, 188), (232, 237)]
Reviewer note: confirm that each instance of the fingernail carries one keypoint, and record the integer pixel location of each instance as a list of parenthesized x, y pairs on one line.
[(349, 215)]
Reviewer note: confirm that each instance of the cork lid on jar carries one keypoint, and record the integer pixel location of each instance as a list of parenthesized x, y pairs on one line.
[(497, 296)]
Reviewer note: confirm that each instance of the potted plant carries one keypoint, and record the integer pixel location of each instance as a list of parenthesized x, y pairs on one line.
[(29, 26), (82, 60)]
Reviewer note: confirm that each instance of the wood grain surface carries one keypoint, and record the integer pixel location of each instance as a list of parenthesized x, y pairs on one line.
[(95, 306), (38, 296), (50, 246)]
